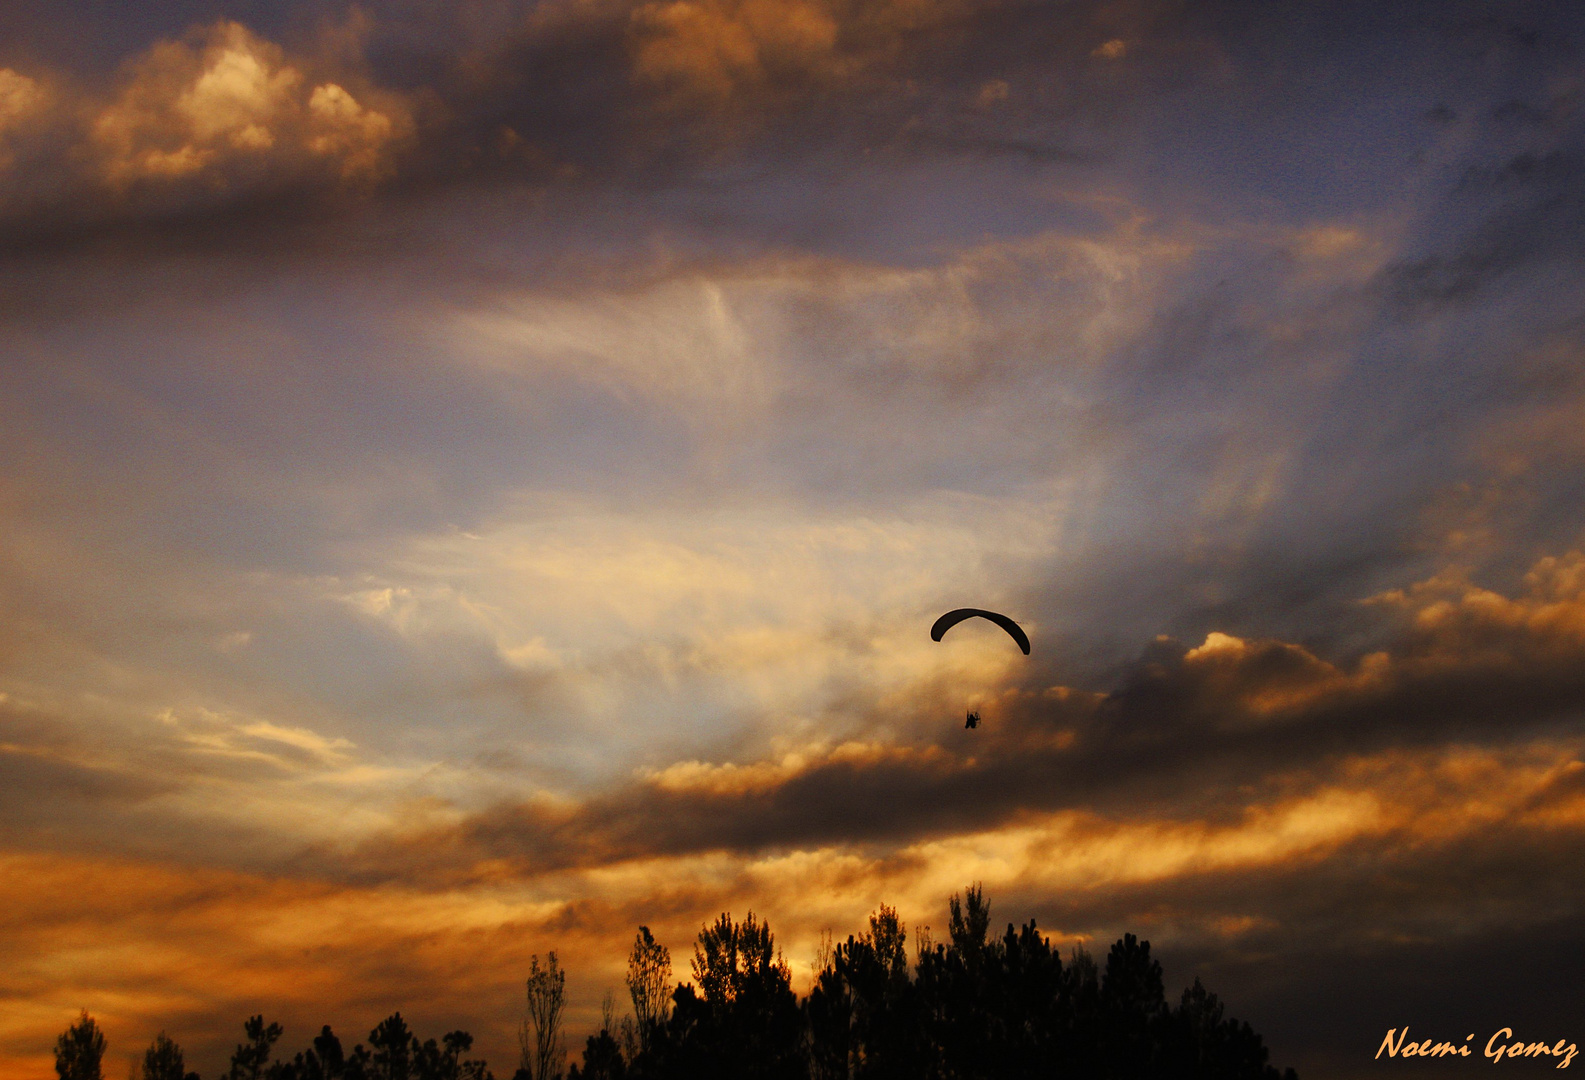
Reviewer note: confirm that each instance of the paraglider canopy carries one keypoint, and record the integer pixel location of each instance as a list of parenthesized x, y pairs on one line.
[(952, 618)]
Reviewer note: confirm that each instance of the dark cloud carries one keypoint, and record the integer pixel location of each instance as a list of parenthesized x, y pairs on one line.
[(398, 101), (1199, 732), (1467, 739), (37, 786), (1324, 956), (1544, 228)]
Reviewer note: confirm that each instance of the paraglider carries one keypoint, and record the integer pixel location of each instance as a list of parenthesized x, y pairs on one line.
[(957, 615)]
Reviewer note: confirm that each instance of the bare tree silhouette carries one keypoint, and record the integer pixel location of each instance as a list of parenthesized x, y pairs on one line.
[(540, 1035), (649, 984)]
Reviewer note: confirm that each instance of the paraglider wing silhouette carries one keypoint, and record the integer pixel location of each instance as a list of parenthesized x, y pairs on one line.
[(957, 615)]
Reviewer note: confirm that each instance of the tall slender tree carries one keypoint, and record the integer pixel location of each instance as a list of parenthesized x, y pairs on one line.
[(649, 984), (539, 1035)]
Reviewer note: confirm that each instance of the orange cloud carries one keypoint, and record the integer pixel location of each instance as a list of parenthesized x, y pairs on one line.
[(21, 97), (729, 779), (718, 49), (1456, 621), (149, 946), (229, 102), (439, 919), (732, 51), (24, 104)]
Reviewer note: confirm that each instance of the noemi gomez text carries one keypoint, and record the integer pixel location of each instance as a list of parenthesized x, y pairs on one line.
[(1501, 1045)]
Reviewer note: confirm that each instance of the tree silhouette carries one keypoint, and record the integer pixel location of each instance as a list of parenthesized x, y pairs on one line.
[(982, 1008), (602, 1059), (828, 1015), (323, 1061), (391, 1047), (163, 1060), (744, 1022), (327, 1052), (1203, 1045), (539, 1035), (454, 1066), (975, 1007), (869, 991), (250, 1059), (80, 1050), (396, 1052), (968, 921), (649, 984), (1133, 1010)]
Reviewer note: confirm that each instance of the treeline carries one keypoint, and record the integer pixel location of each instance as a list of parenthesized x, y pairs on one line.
[(973, 1007), (393, 1053)]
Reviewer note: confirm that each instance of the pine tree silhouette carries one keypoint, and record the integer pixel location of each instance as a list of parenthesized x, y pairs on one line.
[(80, 1050), (975, 1007), (163, 1060)]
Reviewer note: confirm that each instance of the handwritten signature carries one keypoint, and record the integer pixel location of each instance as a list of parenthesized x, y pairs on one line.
[(1496, 1047)]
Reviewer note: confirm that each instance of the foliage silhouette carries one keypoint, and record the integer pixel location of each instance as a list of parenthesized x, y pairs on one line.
[(250, 1059), (602, 1059), (391, 1049), (163, 1060), (744, 1019), (79, 1050), (323, 1060), (393, 1053), (975, 1007), (649, 984), (540, 1034)]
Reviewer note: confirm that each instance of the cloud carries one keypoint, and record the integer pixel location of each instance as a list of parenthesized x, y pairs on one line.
[(21, 98), (1453, 618), (315, 954), (757, 61), (29, 110), (221, 117), (653, 92), (720, 49), (1490, 669), (223, 125), (677, 623), (231, 106), (550, 623), (1366, 858)]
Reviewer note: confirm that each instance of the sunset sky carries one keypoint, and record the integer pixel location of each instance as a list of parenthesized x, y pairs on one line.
[(477, 477)]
